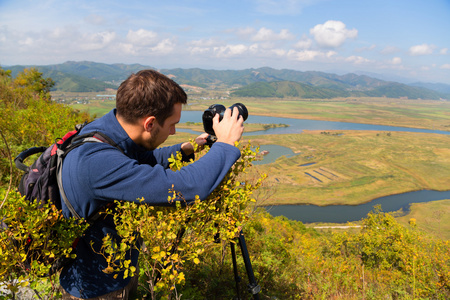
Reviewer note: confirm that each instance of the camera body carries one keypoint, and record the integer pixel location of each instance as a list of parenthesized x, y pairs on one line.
[(214, 109)]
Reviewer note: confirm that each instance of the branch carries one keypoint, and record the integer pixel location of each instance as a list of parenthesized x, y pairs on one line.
[(10, 169)]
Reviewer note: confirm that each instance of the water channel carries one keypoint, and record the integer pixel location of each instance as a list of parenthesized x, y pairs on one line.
[(332, 213)]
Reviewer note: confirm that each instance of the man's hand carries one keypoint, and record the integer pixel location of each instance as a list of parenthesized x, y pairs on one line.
[(230, 129), (187, 147)]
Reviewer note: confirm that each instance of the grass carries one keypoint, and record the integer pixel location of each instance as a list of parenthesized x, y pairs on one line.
[(356, 167), (96, 108), (431, 217), (248, 127)]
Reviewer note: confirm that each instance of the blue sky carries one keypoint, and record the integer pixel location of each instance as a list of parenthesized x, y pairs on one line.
[(402, 39)]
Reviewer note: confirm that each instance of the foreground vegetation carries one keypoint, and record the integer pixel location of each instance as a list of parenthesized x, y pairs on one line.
[(383, 260)]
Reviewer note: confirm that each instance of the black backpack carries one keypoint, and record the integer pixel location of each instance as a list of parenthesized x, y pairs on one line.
[(42, 180)]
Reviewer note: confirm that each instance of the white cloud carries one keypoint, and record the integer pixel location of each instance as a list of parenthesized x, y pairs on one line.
[(357, 60), (97, 40), (198, 50), (267, 35), (142, 37), (390, 50), (370, 48), (423, 49), (204, 43), (443, 51), (244, 32), (230, 50), (126, 48), (164, 47), (309, 55), (28, 41), (332, 34), (304, 43), (445, 66), (57, 33), (279, 52), (396, 61)]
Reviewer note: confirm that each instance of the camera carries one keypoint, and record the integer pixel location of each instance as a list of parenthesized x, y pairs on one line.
[(214, 109)]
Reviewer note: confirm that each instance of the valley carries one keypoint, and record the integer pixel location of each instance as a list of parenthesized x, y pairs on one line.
[(348, 167)]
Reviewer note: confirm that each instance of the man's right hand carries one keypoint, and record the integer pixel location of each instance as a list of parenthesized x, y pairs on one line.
[(230, 129)]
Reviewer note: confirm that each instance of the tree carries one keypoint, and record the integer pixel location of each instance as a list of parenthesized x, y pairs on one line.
[(32, 79)]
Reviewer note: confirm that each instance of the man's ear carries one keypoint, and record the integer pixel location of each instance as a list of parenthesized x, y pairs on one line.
[(149, 122)]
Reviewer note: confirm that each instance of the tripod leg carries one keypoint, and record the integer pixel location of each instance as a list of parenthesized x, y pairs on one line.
[(236, 276), (253, 287)]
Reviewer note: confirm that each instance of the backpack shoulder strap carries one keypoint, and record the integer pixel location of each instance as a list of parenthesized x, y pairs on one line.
[(92, 137), (24, 154)]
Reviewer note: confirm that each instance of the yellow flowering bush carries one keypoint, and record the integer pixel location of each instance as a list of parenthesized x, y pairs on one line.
[(180, 233)]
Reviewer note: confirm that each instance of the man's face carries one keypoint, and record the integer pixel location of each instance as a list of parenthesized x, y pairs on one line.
[(161, 133)]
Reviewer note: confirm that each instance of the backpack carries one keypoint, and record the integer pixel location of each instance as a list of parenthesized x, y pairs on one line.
[(42, 180)]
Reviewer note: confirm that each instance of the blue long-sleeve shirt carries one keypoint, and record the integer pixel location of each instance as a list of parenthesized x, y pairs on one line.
[(95, 174)]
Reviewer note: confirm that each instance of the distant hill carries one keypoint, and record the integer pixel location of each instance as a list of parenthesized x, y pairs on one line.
[(261, 82), (283, 89), (74, 83), (439, 87)]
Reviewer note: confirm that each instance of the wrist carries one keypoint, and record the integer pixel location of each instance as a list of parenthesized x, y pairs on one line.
[(187, 148)]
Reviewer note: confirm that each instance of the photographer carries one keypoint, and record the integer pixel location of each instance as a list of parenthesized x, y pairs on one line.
[(148, 107)]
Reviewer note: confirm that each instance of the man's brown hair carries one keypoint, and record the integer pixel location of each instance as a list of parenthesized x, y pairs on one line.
[(148, 93)]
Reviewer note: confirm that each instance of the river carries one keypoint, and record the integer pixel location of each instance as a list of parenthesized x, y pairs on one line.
[(298, 125), (350, 213), (332, 213)]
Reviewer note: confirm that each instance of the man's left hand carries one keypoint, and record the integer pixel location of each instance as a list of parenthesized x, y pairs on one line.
[(187, 147)]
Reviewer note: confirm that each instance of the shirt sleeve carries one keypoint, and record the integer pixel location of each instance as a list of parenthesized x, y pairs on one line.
[(161, 155), (105, 174)]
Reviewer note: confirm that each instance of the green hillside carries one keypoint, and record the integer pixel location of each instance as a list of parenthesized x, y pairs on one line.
[(261, 82), (74, 83), (281, 89)]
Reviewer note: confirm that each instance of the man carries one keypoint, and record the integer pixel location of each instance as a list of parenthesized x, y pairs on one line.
[(148, 107)]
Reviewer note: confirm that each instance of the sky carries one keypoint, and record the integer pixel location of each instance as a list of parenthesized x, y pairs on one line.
[(402, 40)]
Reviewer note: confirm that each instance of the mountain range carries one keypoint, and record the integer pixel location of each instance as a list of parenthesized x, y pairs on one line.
[(87, 76)]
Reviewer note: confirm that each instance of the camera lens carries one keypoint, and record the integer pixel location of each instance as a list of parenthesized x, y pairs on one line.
[(242, 110), (214, 109)]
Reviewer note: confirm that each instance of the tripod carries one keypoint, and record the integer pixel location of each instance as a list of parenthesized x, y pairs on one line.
[(253, 286)]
